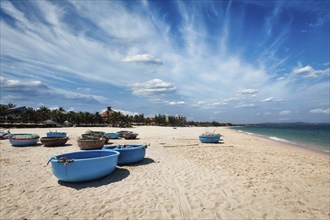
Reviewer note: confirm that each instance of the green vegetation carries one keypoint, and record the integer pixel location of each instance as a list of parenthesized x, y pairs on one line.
[(116, 119)]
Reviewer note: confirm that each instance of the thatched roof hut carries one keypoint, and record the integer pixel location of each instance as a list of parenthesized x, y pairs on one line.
[(51, 124)]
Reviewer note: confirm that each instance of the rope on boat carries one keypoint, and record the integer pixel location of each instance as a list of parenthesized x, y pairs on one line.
[(132, 146), (64, 160)]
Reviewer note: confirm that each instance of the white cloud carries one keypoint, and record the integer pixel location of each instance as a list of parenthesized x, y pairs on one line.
[(320, 21), (303, 69), (310, 72), (209, 105), (84, 90), (153, 87), (79, 96), (271, 99), (9, 83), (245, 106), (176, 103), (36, 90), (142, 58), (248, 91), (320, 111), (285, 112)]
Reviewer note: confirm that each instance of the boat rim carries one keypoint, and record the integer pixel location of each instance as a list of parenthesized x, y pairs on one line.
[(215, 135), (56, 157), (114, 148)]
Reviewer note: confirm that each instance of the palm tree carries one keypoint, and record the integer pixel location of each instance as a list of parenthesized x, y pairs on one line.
[(11, 105), (43, 113), (97, 118), (29, 115), (3, 110), (58, 116)]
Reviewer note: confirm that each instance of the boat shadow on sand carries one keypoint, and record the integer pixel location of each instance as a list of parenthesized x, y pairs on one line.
[(28, 146), (117, 175), (65, 145), (220, 142), (143, 162)]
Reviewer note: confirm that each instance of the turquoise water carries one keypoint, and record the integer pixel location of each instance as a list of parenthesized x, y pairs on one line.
[(315, 136)]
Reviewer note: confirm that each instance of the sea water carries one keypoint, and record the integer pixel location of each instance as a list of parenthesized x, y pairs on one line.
[(315, 136)]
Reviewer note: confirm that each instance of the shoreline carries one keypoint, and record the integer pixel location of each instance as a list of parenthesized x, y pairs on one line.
[(311, 147), (242, 177)]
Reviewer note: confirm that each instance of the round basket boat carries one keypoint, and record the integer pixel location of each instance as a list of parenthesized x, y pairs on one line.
[(112, 135), (84, 165), (96, 135), (129, 153), (89, 144), (121, 133), (53, 141), (3, 134), (214, 138), (130, 135), (56, 134), (23, 139)]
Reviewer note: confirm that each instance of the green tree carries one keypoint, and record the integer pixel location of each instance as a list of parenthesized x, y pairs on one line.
[(4, 109), (43, 113), (29, 115)]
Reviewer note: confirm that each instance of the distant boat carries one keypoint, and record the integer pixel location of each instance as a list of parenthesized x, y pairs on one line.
[(130, 135), (97, 134), (84, 165), (3, 134), (131, 153), (112, 135), (121, 133), (209, 138), (90, 144), (23, 139), (56, 134)]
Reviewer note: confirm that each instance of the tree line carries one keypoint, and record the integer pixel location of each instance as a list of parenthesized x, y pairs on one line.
[(116, 119)]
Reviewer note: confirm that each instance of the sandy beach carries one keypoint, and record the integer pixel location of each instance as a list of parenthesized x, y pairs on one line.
[(243, 177)]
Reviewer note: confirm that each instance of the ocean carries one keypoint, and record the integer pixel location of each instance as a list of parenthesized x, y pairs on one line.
[(316, 136)]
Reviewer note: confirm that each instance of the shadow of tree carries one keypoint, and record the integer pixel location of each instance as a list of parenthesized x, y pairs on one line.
[(116, 176)]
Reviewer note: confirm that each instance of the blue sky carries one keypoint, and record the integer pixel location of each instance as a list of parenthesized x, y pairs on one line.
[(228, 61)]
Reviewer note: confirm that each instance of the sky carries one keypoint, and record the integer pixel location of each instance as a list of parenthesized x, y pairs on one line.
[(226, 61)]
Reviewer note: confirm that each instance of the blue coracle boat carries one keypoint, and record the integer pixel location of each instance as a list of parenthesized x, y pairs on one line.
[(210, 138), (112, 135), (84, 165), (23, 139), (56, 134), (129, 153)]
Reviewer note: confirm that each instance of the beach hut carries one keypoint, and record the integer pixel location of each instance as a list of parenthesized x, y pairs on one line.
[(51, 124)]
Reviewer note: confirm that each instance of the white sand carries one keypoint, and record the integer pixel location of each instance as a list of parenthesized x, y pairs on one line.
[(245, 177)]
